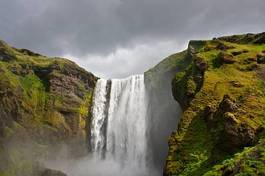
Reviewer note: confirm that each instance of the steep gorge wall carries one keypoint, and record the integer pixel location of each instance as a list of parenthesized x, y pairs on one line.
[(163, 109), (44, 103), (222, 94)]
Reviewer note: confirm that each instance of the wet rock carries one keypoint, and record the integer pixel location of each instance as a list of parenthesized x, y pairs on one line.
[(50, 172)]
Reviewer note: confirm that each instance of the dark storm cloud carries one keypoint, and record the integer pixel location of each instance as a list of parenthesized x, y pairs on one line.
[(99, 28)]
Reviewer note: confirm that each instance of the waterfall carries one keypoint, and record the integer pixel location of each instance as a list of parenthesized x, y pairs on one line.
[(119, 124), (99, 117)]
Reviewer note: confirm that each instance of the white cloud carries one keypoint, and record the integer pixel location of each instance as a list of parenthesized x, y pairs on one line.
[(127, 61)]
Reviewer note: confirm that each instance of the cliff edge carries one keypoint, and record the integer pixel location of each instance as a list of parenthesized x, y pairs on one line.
[(222, 95)]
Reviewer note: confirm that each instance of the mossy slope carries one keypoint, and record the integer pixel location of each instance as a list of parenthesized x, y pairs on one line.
[(222, 95), (43, 102)]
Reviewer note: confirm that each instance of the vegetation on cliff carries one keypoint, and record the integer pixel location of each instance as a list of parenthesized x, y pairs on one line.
[(43, 102), (222, 94)]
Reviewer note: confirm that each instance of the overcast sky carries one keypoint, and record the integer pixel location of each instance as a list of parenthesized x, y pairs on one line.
[(117, 38)]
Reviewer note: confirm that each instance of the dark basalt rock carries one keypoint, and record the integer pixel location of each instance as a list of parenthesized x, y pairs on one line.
[(238, 134), (236, 53), (28, 52), (247, 38), (260, 38), (50, 172), (5, 57), (225, 58), (251, 59), (228, 105), (224, 47), (261, 58), (233, 133)]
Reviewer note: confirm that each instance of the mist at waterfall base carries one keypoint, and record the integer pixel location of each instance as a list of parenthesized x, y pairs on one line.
[(129, 130), (119, 125)]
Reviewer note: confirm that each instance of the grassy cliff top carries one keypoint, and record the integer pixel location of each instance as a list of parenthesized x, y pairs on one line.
[(222, 94), (44, 102)]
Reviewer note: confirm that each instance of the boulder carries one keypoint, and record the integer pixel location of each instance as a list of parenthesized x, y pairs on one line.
[(226, 58), (238, 134)]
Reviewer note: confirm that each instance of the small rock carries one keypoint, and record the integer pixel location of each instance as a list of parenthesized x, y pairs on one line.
[(261, 60), (252, 67), (260, 55), (251, 59), (236, 84), (245, 51), (235, 53), (223, 47)]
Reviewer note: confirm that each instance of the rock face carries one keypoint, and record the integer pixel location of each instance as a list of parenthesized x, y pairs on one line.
[(226, 58), (221, 92), (234, 133), (44, 101)]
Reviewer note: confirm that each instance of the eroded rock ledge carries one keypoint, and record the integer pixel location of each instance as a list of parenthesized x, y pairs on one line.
[(222, 94)]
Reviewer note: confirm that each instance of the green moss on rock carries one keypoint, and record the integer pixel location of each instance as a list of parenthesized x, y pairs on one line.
[(47, 98), (223, 109)]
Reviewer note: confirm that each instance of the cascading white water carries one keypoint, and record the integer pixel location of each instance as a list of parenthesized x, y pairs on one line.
[(99, 117), (124, 139)]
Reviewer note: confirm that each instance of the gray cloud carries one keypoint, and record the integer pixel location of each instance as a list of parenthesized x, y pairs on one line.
[(96, 30)]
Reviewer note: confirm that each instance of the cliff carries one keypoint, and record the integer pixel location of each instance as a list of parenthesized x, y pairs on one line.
[(214, 91), (222, 95), (44, 103)]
